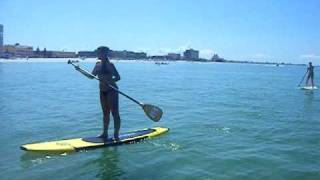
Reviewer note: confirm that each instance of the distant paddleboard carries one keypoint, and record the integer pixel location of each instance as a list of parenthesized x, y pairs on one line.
[(77, 144), (309, 88)]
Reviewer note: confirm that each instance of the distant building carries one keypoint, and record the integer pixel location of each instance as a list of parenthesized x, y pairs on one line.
[(60, 54), (191, 54), (127, 55), (87, 54), (216, 58), (52, 54), (174, 56), (18, 50), (1, 39), (37, 53), (158, 57)]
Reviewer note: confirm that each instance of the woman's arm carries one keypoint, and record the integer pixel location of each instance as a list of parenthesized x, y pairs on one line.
[(95, 70), (115, 74)]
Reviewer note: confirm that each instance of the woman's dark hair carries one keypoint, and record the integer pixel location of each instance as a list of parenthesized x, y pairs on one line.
[(105, 50)]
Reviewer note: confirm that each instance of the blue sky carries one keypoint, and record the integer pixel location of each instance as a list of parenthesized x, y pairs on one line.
[(260, 30)]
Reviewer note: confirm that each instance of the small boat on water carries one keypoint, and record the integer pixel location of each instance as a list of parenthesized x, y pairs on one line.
[(161, 63)]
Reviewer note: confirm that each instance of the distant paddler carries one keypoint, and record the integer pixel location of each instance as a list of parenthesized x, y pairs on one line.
[(310, 74)]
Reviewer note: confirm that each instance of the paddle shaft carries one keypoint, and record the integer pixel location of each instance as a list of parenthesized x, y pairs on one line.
[(112, 87), (302, 79)]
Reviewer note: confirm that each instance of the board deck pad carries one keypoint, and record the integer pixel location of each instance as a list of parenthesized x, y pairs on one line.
[(121, 136), (77, 144)]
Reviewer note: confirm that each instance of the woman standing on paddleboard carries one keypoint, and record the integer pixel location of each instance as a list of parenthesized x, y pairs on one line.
[(109, 98), (310, 74)]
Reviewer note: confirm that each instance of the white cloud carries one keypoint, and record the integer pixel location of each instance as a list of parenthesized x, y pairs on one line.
[(260, 56), (184, 47), (309, 56), (161, 51), (165, 51), (206, 53)]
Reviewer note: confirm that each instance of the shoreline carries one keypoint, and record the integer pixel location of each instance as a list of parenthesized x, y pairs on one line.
[(144, 60)]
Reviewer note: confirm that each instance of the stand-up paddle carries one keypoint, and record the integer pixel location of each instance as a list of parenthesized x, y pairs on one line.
[(153, 112), (302, 79)]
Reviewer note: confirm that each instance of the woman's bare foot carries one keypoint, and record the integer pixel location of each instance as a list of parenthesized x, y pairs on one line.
[(103, 136), (116, 137)]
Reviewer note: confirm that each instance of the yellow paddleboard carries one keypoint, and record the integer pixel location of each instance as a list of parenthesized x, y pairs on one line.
[(93, 142)]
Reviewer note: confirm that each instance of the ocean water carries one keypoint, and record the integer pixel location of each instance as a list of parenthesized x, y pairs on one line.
[(227, 121)]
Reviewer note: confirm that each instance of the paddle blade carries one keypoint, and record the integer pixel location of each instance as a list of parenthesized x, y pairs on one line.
[(153, 112)]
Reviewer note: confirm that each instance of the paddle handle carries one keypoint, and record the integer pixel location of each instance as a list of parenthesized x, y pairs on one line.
[(89, 75)]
